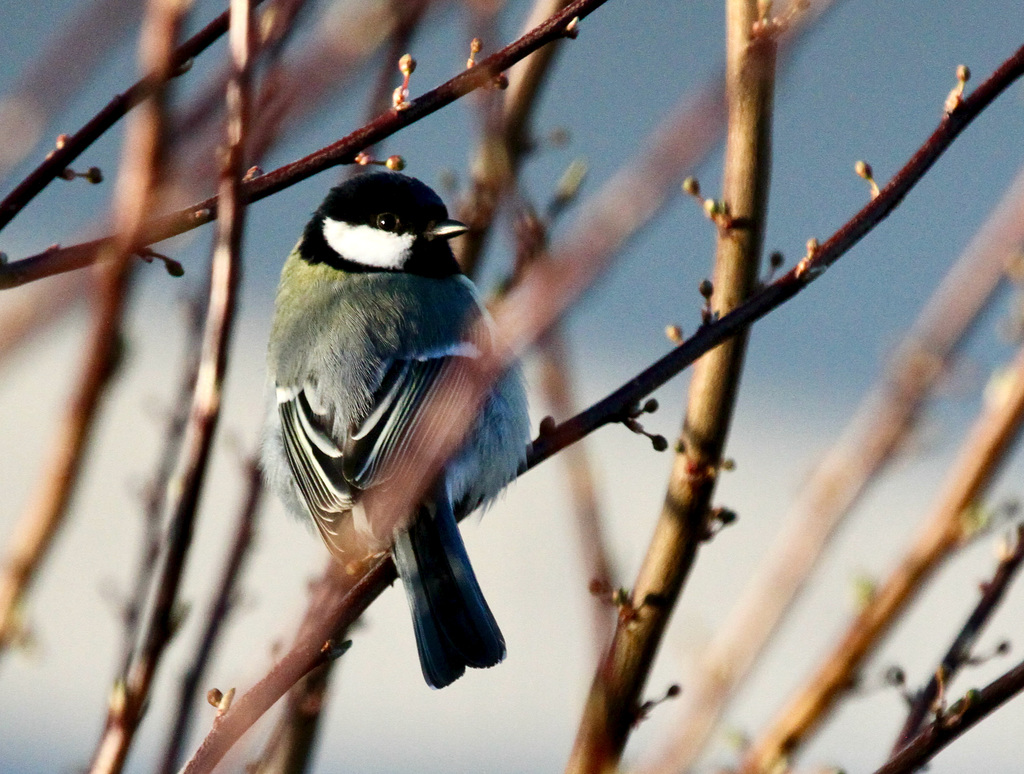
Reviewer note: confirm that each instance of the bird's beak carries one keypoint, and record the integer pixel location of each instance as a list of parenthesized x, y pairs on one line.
[(446, 229)]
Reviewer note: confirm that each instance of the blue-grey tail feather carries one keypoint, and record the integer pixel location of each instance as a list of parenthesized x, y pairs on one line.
[(454, 626)]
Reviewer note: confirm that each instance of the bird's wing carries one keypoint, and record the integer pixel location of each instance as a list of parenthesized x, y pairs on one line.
[(316, 464), (330, 471)]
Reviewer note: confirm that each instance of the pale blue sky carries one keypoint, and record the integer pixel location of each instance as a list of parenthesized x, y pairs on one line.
[(868, 82)]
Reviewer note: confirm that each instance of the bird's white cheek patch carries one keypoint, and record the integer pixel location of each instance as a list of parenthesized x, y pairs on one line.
[(367, 245)]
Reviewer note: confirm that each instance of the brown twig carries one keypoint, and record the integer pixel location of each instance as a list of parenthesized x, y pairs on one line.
[(885, 417), (980, 458), (408, 14), (569, 271), (611, 709), (156, 490), (645, 182), (972, 708), (959, 653), (84, 37), (135, 193), (125, 712), (291, 91), (36, 529), (223, 601), (338, 600), (341, 152), (557, 386), (73, 145), (293, 740), (504, 142)]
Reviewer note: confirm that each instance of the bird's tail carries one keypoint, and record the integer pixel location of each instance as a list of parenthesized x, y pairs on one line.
[(454, 626)]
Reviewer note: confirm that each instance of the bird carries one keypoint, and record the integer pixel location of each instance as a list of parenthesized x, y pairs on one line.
[(371, 310)]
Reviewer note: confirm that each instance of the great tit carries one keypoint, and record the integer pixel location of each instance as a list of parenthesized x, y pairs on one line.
[(371, 309)]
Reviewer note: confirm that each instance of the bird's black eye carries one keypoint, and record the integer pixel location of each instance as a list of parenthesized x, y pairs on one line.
[(388, 221)]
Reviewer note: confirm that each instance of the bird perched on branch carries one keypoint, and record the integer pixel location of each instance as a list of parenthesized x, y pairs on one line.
[(372, 315)]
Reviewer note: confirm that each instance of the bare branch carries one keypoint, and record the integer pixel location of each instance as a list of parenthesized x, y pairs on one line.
[(338, 600), (157, 488), (73, 145), (220, 608), (612, 708), (959, 652), (881, 423), (980, 458), (135, 192), (343, 151), (569, 272), (972, 708), (125, 711)]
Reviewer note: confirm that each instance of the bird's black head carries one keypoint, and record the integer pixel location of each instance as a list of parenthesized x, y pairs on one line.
[(382, 221)]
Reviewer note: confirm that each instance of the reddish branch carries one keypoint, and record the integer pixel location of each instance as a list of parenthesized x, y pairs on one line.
[(223, 602), (959, 653), (75, 144), (613, 706), (139, 177), (156, 490), (615, 406), (343, 151), (338, 600), (337, 605), (126, 710), (972, 708)]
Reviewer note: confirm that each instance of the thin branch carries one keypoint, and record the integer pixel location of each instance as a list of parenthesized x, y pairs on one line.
[(872, 439), (341, 152), (144, 149), (38, 525), (125, 712), (503, 143), (611, 710), (959, 652), (972, 708), (340, 44), (157, 488), (645, 182), (980, 459), (338, 600), (293, 740), (557, 386), (220, 608), (408, 14), (567, 271), (73, 145)]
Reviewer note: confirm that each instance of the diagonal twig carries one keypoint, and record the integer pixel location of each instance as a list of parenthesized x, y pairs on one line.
[(872, 439), (959, 653), (140, 175), (981, 457), (113, 112), (612, 708), (341, 152), (968, 711), (130, 694)]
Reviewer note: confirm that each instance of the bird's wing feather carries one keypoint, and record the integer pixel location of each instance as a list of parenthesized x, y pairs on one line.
[(330, 472), (315, 461), (385, 436)]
